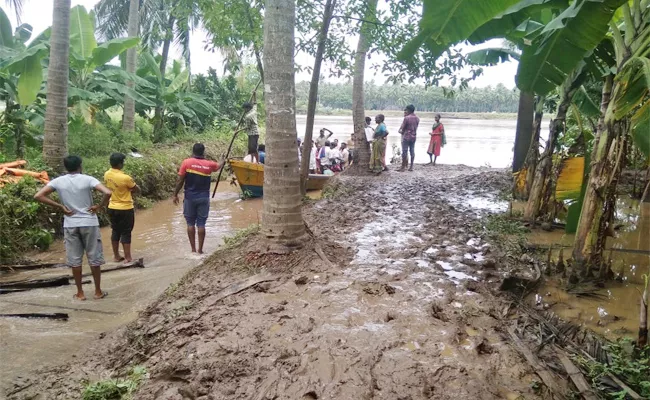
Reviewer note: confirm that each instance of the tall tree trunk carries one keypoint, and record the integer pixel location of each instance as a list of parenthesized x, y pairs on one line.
[(55, 141), (307, 145), (159, 112), (361, 147), (524, 129), (592, 205), (282, 221), (533, 152), (128, 120)]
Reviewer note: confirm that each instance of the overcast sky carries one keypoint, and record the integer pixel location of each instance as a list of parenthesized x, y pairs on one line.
[(38, 13)]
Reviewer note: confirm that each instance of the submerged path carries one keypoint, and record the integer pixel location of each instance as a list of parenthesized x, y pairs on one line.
[(159, 237), (404, 313)]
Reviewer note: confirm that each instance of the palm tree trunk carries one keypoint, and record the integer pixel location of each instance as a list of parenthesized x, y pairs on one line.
[(55, 142), (307, 144), (524, 133), (282, 221), (361, 147), (592, 205), (131, 64), (159, 112)]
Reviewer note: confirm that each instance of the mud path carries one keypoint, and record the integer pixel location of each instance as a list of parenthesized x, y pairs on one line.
[(406, 313)]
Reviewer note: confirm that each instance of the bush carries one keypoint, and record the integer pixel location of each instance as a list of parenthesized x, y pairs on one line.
[(24, 223)]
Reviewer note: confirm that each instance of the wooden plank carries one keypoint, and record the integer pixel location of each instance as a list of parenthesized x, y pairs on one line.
[(29, 267), (36, 283), (541, 370), (56, 316), (584, 388)]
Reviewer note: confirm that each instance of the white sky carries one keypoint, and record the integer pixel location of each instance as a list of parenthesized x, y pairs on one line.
[(38, 13)]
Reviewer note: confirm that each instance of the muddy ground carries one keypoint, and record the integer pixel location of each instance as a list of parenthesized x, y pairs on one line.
[(403, 305)]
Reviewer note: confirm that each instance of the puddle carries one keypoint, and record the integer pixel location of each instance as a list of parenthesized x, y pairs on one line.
[(159, 236), (616, 312)]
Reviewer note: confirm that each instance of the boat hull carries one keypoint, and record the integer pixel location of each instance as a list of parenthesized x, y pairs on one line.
[(250, 177)]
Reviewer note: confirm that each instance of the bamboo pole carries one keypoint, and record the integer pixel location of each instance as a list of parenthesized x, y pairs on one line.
[(237, 130)]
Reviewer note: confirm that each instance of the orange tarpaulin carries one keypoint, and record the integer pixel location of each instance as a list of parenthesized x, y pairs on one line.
[(10, 172), (13, 164)]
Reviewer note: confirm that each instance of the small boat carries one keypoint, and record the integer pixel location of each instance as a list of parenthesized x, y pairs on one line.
[(251, 178)]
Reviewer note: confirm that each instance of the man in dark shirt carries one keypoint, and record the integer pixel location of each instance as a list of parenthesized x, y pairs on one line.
[(408, 130), (195, 175)]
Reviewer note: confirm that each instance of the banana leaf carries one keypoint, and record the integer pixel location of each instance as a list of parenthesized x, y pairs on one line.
[(564, 43), (30, 80), (575, 208), (6, 34), (641, 129), (569, 182), (82, 34), (111, 49), (446, 22), (492, 56)]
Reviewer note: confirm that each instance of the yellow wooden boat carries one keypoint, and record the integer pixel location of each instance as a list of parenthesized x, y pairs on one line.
[(251, 178)]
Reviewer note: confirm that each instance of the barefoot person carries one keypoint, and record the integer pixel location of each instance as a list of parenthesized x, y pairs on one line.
[(195, 175), (378, 163), (120, 209), (437, 140), (409, 132), (80, 225)]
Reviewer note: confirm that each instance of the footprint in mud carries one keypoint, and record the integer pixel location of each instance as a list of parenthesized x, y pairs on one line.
[(376, 288)]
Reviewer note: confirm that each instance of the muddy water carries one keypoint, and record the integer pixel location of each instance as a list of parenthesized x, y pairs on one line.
[(470, 142), (616, 312), (159, 237)]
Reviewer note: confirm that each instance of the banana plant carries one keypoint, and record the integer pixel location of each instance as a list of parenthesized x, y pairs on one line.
[(95, 85), (170, 92)]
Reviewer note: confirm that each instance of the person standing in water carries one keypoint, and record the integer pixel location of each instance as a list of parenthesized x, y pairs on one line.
[(408, 130), (80, 224), (120, 209), (250, 126), (194, 174), (378, 163), (437, 140)]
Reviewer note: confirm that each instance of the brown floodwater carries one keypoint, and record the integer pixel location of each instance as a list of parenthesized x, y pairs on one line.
[(615, 313), (472, 142), (159, 237)]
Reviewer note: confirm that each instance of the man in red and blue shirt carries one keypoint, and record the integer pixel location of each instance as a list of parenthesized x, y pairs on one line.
[(195, 175)]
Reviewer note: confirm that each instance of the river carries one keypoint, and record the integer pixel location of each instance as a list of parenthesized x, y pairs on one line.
[(472, 142)]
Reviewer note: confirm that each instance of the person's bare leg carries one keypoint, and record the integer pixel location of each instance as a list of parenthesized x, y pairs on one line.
[(127, 252), (435, 159), (191, 235), (116, 250), (76, 273), (97, 278), (201, 238)]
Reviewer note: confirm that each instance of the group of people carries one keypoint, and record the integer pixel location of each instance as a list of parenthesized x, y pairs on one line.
[(376, 137), (328, 156), (81, 232)]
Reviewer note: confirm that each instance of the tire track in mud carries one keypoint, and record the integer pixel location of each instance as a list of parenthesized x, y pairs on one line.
[(408, 318)]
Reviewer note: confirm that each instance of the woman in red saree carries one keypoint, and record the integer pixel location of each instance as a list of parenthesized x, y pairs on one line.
[(437, 140)]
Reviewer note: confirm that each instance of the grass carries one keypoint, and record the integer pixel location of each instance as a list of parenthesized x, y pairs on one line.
[(629, 364), (508, 233), (238, 237), (116, 389)]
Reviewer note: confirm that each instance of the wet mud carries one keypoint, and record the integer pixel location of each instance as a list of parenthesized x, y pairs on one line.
[(392, 298)]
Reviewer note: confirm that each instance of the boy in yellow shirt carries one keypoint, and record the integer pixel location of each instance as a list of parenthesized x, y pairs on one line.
[(120, 208)]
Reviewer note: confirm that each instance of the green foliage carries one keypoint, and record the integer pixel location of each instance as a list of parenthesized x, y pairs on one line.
[(116, 389), (395, 97), (501, 224), (629, 364), (25, 223)]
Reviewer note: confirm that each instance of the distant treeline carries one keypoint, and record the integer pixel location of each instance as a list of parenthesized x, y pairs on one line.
[(394, 97)]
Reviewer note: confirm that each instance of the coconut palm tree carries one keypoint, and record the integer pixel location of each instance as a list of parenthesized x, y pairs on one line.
[(282, 221), (128, 122), (362, 157), (55, 141)]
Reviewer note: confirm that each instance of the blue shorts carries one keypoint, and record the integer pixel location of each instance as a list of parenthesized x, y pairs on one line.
[(196, 211)]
